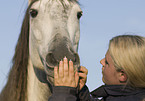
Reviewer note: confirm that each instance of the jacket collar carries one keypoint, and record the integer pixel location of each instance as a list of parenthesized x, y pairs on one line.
[(115, 90)]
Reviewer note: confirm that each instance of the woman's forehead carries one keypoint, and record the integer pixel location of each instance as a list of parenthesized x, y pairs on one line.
[(108, 56)]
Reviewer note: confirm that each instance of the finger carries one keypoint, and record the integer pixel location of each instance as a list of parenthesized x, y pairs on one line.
[(66, 74), (84, 70), (55, 72), (61, 69), (81, 84), (55, 75), (83, 75), (83, 78), (71, 69), (76, 78)]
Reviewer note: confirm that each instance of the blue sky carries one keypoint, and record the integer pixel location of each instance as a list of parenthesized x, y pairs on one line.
[(102, 20)]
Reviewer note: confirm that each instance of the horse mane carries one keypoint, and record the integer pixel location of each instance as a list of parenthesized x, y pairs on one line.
[(15, 89)]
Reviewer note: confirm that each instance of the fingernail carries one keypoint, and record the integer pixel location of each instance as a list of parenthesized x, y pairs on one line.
[(65, 58), (60, 62)]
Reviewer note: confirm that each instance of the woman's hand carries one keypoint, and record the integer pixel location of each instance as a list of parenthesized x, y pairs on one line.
[(65, 76), (83, 76)]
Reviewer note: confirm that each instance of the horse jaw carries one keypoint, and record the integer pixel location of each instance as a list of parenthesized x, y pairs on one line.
[(36, 90)]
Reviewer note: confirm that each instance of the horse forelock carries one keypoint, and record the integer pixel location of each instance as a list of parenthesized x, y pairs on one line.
[(52, 0), (62, 1)]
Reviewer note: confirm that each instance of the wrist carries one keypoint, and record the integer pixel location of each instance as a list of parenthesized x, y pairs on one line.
[(65, 89)]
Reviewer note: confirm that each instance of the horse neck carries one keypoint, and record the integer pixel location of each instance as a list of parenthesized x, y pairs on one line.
[(36, 90)]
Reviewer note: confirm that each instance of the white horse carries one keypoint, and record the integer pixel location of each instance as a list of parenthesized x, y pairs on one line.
[(50, 31)]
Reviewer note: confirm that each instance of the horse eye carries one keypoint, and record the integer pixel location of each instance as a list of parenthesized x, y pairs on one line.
[(79, 14), (33, 13)]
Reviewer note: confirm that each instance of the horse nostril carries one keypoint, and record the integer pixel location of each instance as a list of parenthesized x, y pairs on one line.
[(77, 59), (51, 61)]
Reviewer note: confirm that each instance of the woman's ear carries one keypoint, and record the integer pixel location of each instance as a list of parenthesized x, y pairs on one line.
[(122, 77)]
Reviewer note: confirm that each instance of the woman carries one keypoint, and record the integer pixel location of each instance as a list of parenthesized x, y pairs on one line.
[(123, 74)]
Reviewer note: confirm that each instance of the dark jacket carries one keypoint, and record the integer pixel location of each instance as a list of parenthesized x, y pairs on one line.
[(103, 93)]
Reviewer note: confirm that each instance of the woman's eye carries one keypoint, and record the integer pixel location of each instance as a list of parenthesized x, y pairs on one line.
[(33, 13), (79, 14), (106, 62)]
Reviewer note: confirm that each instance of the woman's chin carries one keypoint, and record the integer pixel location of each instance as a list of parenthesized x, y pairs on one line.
[(103, 80)]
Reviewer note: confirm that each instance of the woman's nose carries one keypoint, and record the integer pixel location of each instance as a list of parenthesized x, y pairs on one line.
[(103, 61)]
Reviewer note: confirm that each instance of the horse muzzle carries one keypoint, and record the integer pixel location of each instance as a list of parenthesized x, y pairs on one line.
[(57, 52)]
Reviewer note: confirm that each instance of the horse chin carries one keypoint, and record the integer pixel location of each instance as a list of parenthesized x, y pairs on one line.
[(50, 80), (49, 69), (49, 72)]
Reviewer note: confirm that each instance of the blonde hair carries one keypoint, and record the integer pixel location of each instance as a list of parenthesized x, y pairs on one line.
[(128, 54)]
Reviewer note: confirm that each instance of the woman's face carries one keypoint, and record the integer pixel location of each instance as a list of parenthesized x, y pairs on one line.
[(110, 75)]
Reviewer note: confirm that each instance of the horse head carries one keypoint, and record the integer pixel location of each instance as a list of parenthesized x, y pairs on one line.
[(54, 33), (50, 31)]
